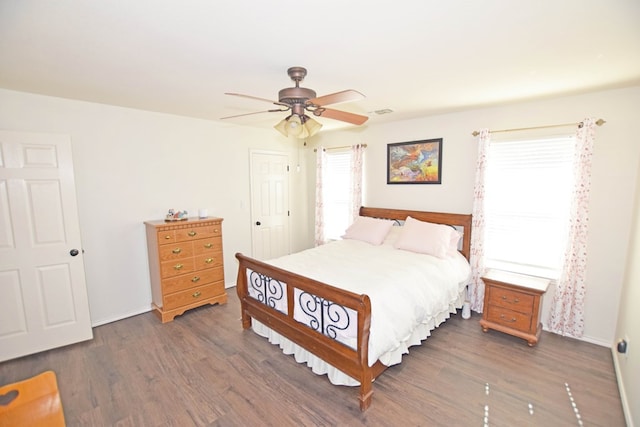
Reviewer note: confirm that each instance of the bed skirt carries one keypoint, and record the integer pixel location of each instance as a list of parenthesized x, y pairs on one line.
[(337, 377)]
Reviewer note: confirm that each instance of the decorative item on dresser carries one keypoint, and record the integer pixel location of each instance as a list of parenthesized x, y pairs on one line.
[(185, 262), (512, 304)]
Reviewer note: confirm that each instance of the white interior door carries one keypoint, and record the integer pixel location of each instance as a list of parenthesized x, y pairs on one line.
[(43, 295), (269, 204)]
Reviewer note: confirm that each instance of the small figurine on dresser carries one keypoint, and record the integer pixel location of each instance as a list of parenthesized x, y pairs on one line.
[(174, 215)]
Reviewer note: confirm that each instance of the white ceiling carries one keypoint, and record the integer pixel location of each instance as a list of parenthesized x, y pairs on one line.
[(415, 57)]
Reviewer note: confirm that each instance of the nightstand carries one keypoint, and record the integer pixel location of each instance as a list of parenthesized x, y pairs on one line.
[(512, 304)]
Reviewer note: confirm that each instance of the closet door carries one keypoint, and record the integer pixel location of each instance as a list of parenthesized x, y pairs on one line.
[(269, 204), (43, 295)]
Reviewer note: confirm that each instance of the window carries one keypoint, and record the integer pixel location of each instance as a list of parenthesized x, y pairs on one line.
[(527, 201), (337, 193)]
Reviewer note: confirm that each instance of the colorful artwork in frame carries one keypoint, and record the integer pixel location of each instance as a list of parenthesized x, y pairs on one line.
[(415, 162)]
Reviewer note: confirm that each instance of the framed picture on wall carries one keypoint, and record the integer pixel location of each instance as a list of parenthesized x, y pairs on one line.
[(415, 162)]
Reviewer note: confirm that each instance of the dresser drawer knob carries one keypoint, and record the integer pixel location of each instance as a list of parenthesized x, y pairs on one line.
[(167, 237), (208, 245), (196, 294), (208, 260), (503, 317), (178, 266), (192, 233), (176, 251), (515, 300), (195, 279)]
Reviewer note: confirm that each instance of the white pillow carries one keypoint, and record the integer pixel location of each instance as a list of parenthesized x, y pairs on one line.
[(426, 238), (393, 235), (367, 229), (455, 239)]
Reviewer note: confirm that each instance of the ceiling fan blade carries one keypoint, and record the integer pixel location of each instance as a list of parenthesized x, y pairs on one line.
[(250, 114), (336, 98), (253, 97), (344, 116)]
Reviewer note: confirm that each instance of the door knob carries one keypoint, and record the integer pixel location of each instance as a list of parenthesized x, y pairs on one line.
[(73, 252), (257, 222)]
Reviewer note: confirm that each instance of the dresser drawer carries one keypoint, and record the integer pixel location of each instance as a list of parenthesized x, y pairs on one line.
[(207, 245), (202, 232), (197, 278), (510, 318), (192, 295), (176, 267), (166, 236), (208, 261), (176, 250), (511, 299)]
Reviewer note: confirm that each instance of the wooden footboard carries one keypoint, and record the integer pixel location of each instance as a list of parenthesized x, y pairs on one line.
[(353, 362)]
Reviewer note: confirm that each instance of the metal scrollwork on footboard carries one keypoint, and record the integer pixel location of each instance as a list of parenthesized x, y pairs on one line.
[(267, 290), (323, 315)]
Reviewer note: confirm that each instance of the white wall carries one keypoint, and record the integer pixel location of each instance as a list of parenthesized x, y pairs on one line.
[(131, 166), (615, 168)]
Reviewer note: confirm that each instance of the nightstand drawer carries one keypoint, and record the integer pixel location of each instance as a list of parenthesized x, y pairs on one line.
[(510, 318), (513, 300)]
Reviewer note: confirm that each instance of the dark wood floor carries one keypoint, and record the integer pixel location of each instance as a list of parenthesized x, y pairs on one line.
[(203, 370)]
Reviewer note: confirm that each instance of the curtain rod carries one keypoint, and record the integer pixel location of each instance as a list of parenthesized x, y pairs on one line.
[(315, 150), (599, 122)]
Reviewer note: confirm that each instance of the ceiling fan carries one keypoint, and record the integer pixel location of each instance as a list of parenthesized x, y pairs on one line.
[(300, 100)]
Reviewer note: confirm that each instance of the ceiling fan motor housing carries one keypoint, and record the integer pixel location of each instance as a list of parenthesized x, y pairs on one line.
[(295, 95)]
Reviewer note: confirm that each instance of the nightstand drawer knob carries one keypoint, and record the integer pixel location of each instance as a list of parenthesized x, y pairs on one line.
[(167, 237), (176, 251), (503, 317), (208, 260), (192, 233), (208, 245), (195, 279), (515, 300), (178, 266), (196, 294)]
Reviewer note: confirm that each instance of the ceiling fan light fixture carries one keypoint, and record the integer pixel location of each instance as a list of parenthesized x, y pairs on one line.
[(298, 126), (312, 126), (282, 126)]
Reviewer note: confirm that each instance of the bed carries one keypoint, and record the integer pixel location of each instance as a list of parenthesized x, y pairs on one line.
[(337, 319)]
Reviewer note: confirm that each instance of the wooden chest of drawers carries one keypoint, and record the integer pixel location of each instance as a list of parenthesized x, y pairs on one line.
[(185, 262), (512, 304)]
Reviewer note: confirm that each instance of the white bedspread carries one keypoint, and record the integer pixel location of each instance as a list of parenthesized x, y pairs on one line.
[(410, 293)]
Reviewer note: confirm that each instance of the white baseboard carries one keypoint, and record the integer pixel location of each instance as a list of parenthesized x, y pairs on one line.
[(121, 316), (135, 312), (621, 389), (596, 341)]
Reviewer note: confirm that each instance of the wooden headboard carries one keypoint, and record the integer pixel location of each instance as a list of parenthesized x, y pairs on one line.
[(458, 220)]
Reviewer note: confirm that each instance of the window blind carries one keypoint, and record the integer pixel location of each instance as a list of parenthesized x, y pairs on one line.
[(527, 200)]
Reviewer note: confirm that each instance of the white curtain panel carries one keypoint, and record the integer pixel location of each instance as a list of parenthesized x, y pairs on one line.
[(357, 156), (319, 216), (567, 310), (476, 286)]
